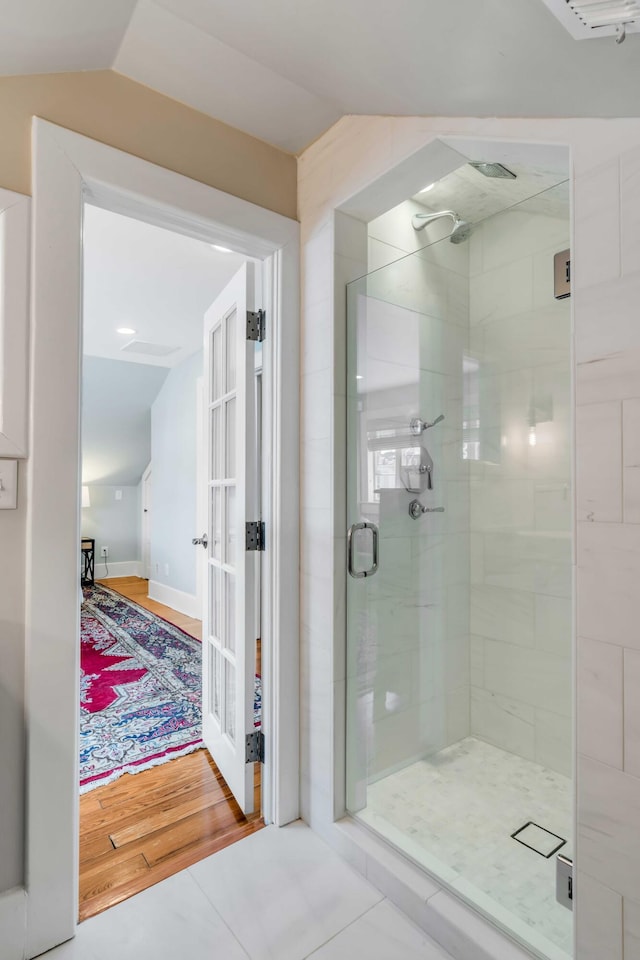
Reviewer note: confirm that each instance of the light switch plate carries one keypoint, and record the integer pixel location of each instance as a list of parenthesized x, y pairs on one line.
[(8, 484)]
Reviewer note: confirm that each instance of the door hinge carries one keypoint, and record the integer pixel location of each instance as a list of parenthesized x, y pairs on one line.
[(254, 748), (255, 535), (256, 320), (564, 881)]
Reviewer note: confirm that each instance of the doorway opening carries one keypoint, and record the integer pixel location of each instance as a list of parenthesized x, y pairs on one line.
[(161, 466)]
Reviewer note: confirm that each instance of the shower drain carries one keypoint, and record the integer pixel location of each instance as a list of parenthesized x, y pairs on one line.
[(538, 839)]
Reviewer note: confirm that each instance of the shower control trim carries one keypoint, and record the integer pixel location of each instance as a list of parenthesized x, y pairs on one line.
[(353, 529), (418, 426), (416, 509)]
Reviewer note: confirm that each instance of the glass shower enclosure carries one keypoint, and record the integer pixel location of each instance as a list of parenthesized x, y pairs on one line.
[(459, 612)]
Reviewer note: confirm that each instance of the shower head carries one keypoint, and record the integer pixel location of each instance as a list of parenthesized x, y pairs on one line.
[(461, 231), (461, 228)]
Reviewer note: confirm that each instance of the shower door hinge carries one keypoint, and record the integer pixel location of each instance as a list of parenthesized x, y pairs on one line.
[(564, 881), (254, 535), (256, 320), (254, 747)]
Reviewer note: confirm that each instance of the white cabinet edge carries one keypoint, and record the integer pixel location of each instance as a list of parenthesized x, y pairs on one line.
[(15, 227), (13, 913)]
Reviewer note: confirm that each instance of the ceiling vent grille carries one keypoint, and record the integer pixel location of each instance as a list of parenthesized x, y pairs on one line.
[(596, 18)]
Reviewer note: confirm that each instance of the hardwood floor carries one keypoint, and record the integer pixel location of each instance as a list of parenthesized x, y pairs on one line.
[(145, 827)]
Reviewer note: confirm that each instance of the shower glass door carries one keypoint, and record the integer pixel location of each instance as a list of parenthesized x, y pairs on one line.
[(459, 595)]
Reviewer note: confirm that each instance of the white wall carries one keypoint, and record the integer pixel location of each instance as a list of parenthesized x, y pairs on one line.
[(174, 480), (606, 170), (114, 523)]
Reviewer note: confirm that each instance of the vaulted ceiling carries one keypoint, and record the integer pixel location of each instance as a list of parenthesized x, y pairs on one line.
[(285, 70)]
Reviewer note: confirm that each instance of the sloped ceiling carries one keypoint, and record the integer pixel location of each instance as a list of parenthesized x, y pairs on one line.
[(286, 70)]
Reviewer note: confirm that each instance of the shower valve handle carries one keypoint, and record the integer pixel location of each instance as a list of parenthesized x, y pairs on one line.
[(418, 426), (416, 509)]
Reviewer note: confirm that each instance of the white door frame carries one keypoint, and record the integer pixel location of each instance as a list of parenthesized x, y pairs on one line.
[(67, 170)]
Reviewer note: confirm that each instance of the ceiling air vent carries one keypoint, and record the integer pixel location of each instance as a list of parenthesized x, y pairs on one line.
[(150, 349), (586, 19)]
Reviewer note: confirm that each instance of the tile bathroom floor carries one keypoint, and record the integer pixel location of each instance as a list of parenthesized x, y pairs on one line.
[(454, 813), (280, 894)]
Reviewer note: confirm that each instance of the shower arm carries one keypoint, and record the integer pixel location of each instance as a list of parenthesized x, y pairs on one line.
[(420, 220)]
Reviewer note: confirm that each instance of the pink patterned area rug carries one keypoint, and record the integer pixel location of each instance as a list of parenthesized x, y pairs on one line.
[(140, 689)]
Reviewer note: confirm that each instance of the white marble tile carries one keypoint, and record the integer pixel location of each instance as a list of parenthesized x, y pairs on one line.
[(502, 614), (631, 938), (554, 741), (380, 934), (506, 291), (519, 234), (596, 255), (173, 918), (503, 722), (599, 920), (296, 891), (631, 459), (530, 676), (608, 815), (631, 712), (614, 376), (600, 701), (630, 210), (607, 582), (606, 318), (452, 813), (476, 661), (553, 624), (599, 462), (350, 237), (502, 504)]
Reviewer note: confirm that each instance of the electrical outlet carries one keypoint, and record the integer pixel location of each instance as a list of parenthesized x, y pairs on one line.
[(104, 551)]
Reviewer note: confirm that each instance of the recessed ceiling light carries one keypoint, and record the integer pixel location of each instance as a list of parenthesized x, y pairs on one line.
[(126, 331), (426, 189), (216, 246)]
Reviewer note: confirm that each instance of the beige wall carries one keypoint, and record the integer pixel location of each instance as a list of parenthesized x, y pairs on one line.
[(124, 114), (110, 108)]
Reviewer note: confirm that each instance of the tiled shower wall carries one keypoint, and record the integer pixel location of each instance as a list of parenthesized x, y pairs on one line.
[(606, 171), (521, 513)]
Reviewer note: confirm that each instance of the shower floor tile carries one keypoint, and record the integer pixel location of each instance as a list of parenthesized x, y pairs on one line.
[(455, 813)]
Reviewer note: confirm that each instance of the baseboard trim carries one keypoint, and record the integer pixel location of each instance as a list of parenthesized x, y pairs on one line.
[(13, 923), (186, 603), (124, 568)]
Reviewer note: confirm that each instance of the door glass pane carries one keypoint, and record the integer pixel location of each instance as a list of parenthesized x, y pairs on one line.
[(230, 409), (459, 661), (215, 682), (230, 604), (230, 556), (230, 699), (231, 353), (215, 602), (216, 364), (216, 523), (215, 443)]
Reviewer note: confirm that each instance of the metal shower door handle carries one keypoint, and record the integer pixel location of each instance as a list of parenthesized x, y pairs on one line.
[(359, 574)]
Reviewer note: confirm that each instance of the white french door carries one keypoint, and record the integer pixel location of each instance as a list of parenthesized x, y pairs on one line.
[(230, 583)]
